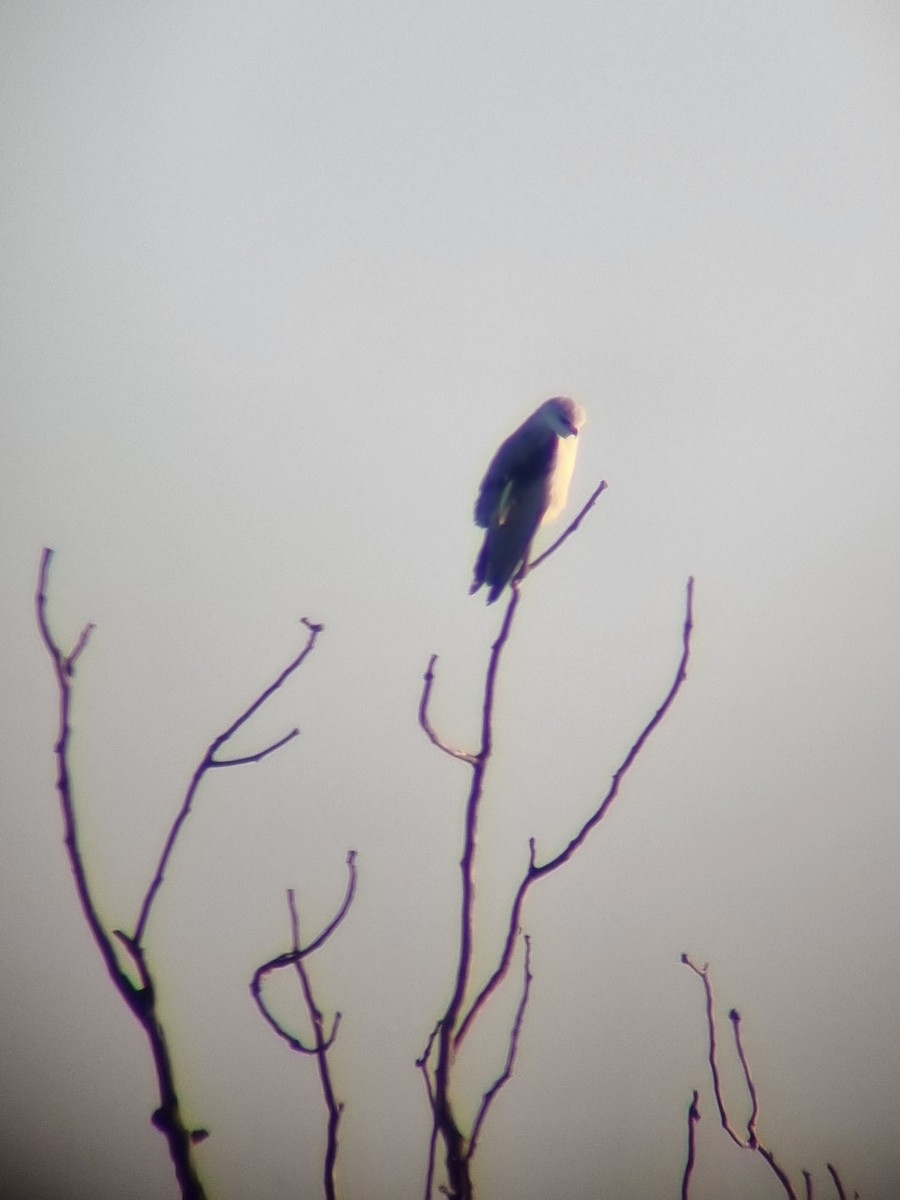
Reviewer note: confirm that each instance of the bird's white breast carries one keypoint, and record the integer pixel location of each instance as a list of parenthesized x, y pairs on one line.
[(561, 477)]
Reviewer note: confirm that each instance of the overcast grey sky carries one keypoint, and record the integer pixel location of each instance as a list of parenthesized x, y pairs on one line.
[(276, 281)]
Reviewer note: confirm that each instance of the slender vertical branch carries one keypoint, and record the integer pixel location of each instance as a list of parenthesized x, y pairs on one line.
[(64, 667), (424, 1065), (832, 1171), (141, 999), (455, 1142), (323, 1040), (693, 1122), (703, 975), (512, 1050)]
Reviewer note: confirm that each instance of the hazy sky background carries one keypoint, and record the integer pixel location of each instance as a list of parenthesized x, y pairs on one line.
[(276, 280)]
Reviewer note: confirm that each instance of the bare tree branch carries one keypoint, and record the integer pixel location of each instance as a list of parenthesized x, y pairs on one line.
[(445, 1121), (752, 1141), (425, 721), (491, 1094), (703, 974), (210, 760), (537, 871), (735, 1018), (693, 1122), (258, 756), (322, 1040), (832, 1171), (64, 666), (141, 1000), (455, 1022), (570, 529), (779, 1171), (423, 1065)]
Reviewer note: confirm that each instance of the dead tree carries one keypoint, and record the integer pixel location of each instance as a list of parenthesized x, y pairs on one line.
[(466, 1003)]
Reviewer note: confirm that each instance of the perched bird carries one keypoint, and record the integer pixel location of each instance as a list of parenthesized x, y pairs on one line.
[(526, 484)]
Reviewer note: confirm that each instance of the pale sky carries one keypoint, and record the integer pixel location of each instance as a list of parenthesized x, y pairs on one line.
[(276, 281)]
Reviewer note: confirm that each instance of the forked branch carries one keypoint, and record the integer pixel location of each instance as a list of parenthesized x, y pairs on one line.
[(210, 761), (536, 871), (751, 1141), (322, 1040), (141, 997), (438, 1058)]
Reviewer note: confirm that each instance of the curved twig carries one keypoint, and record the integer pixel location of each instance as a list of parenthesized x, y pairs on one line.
[(425, 721), (258, 756), (832, 1171), (322, 1041)]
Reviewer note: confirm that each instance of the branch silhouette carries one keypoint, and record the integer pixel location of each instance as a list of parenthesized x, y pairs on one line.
[(751, 1141), (693, 1122), (437, 1061), (322, 1041), (210, 761), (140, 997)]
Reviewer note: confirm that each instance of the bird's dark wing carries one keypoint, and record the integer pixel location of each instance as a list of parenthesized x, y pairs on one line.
[(525, 458)]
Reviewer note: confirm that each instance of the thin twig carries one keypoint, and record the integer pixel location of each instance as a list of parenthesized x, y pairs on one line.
[(258, 756), (735, 1018), (322, 1040), (422, 1063), (703, 974), (752, 1141), (64, 666), (808, 1182), (454, 1140), (570, 529), (693, 1122), (210, 761), (491, 1094), (832, 1171), (425, 721), (779, 1171)]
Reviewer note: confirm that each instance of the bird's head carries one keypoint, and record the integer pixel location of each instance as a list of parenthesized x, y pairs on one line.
[(563, 415)]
